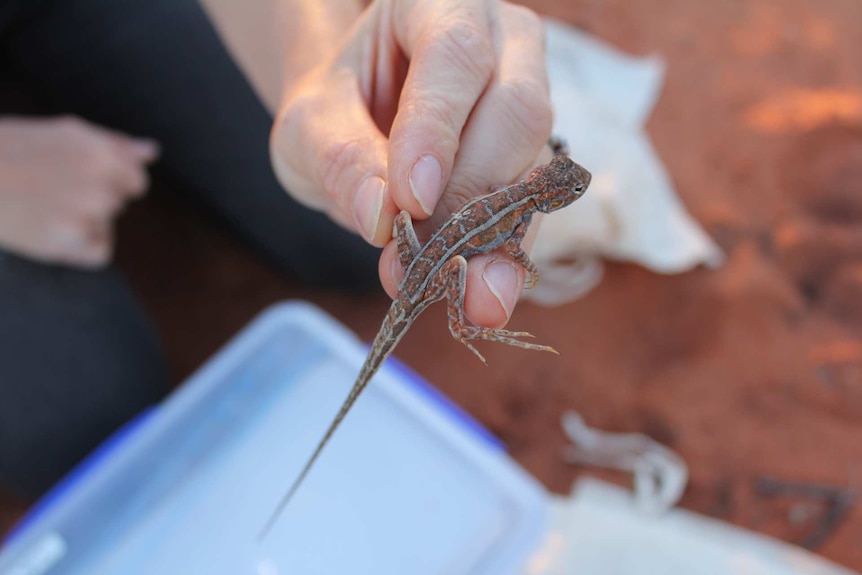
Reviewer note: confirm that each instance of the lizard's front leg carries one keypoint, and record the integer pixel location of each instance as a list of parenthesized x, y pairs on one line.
[(452, 280), (514, 249)]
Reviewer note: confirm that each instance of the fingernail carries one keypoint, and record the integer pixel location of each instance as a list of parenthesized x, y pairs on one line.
[(501, 277), (367, 205), (425, 179), (145, 149)]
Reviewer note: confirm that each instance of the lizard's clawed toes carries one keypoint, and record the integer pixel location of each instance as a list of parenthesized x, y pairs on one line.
[(474, 350), (507, 333), (500, 336)]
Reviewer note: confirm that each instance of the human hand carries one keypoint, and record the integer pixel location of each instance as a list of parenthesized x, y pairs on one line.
[(423, 96), (62, 183)]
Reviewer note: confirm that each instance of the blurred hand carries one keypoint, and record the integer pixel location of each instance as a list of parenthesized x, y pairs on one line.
[(423, 96), (62, 183)]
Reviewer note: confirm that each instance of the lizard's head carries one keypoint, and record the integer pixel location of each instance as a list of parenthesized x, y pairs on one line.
[(559, 183)]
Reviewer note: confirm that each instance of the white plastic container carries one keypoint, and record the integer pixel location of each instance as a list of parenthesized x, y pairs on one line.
[(409, 484)]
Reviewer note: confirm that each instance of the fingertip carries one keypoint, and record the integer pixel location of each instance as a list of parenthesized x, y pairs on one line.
[(390, 270), (419, 167), (368, 208), (145, 149), (494, 284), (426, 182), (500, 277)]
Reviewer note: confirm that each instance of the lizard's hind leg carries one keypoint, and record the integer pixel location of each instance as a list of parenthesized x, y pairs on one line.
[(405, 239), (452, 280)]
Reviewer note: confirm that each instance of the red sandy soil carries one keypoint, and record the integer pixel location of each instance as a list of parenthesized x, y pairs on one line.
[(749, 371)]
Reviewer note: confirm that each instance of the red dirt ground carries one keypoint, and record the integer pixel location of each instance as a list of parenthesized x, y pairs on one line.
[(749, 371)]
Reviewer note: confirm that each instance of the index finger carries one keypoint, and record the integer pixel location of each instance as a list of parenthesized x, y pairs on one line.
[(452, 58)]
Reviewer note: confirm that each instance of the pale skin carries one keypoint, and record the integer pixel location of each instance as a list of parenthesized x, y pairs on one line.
[(364, 94), (63, 181), (459, 81)]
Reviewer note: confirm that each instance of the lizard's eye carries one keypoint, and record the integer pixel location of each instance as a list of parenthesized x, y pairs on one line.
[(579, 188)]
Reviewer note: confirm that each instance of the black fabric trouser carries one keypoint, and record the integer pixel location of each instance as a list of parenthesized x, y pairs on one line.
[(77, 354)]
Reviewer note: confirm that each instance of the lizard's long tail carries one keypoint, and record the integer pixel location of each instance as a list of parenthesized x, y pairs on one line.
[(382, 346)]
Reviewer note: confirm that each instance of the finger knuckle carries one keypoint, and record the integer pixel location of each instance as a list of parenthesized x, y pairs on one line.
[(336, 160), (529, 22), (290, 160), (300, 187), (528, 105), (468, 46), (294, 115), (440, 115)]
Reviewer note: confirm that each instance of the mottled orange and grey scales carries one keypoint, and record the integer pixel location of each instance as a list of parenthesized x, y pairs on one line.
[(438, 270)]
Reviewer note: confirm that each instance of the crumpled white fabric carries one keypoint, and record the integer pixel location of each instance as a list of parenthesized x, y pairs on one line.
[(602, 99), (660, 475)]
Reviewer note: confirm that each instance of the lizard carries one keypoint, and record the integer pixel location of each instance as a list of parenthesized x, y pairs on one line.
[(438, 270)]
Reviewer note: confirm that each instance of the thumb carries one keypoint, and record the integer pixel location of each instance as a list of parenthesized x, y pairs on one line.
[(330, 155)]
